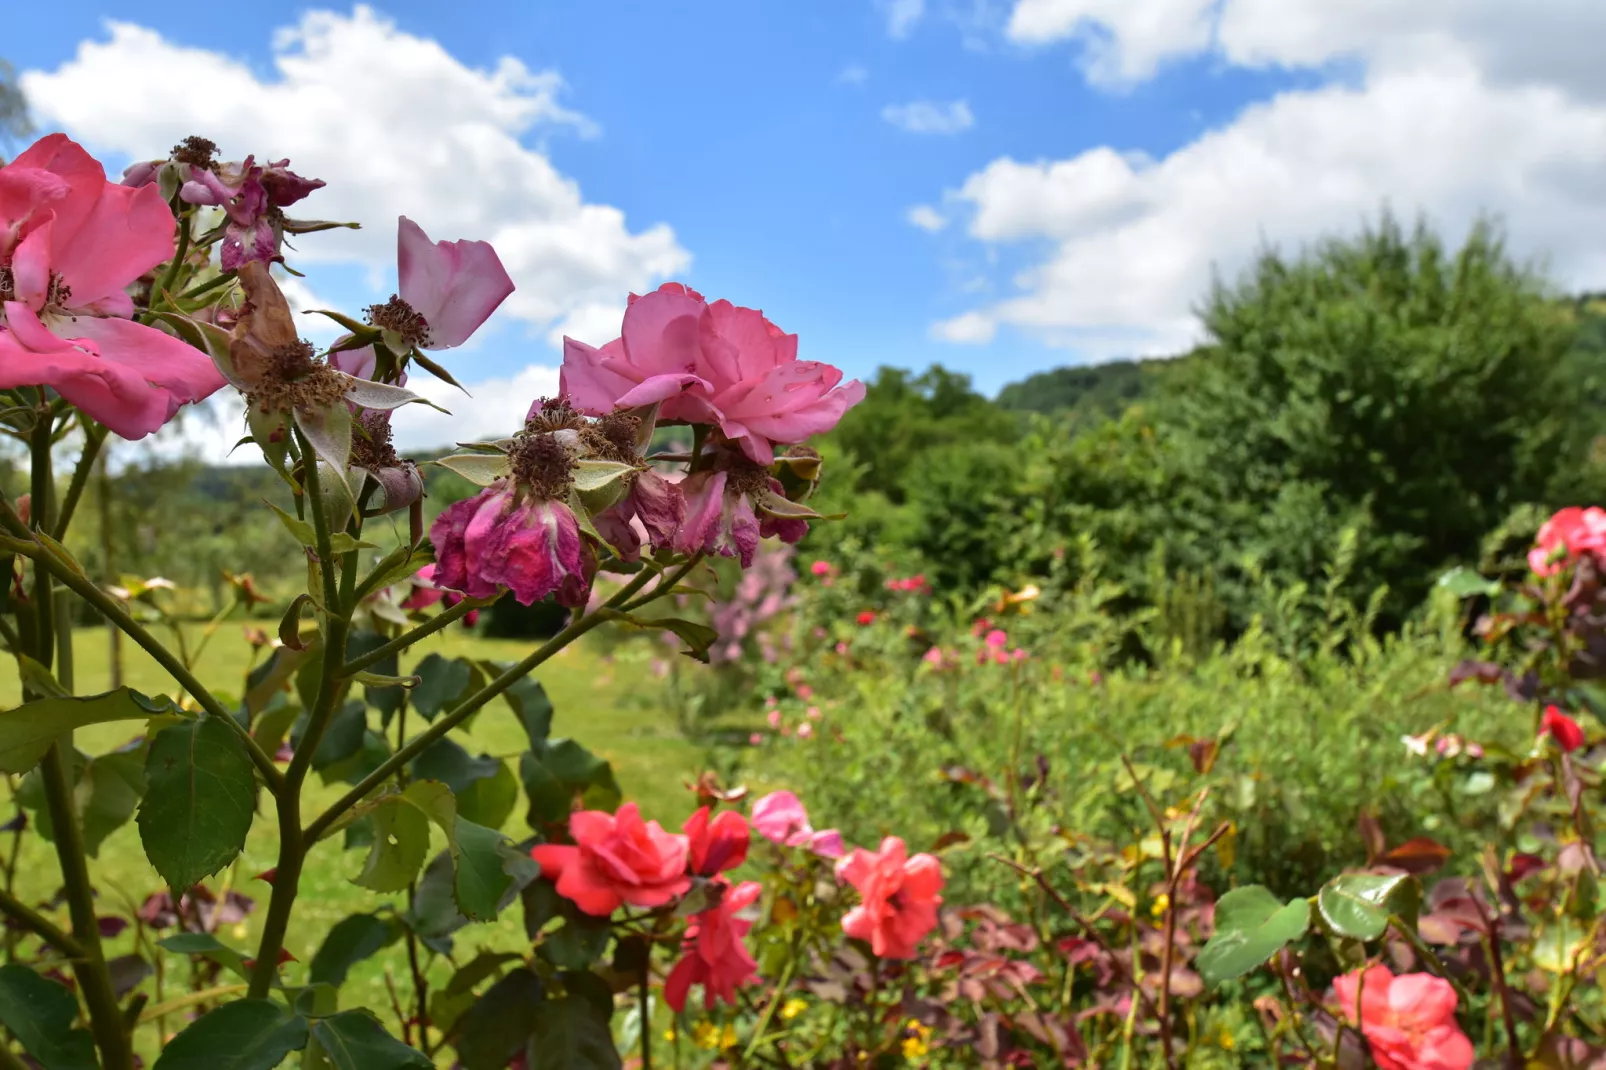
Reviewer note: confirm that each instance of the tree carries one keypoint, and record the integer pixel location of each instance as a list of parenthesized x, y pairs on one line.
[(1376, 383), (15, 125)]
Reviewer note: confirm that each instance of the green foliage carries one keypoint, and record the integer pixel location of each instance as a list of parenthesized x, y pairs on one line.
[(248, 1034), (1251, 926), (199, 801), (40, 1013)]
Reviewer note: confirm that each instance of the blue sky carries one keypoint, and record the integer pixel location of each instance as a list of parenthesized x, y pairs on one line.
[(1114, 151)]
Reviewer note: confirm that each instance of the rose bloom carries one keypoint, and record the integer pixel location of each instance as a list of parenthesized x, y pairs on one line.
[(780, 818), (1408, 1021), (866, 618), (899, 897), (1567, 535), (715, 846), (1561, 728), (715, 955), (616, 859)]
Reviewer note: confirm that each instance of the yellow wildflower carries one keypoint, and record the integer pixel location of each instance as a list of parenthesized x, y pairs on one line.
[(1225, 1041), (1162, 903), (914, 1045), (793, 1007)]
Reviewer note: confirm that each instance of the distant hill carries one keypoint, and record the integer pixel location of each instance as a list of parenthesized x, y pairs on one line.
[(1086, 389)]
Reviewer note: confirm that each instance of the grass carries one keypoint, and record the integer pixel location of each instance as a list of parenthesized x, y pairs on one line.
[(592, 696)]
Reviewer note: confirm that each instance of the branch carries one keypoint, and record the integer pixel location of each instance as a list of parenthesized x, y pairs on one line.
[(407, 639), (39, 925)]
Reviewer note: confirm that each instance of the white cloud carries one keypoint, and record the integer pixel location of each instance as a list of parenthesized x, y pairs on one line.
[(902, 15), (494, 408), (970, 328), (927, 218), (1124, 40), (853, 74), (596, 324), (396, 125), (930, 117), (1457, 127)]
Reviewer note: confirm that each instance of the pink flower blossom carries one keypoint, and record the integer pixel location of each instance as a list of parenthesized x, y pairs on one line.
[(724, 513), (654, 506), (715, 956), (453, 286), (1566, 536), (617, 859), (898, 897), (780, 818), (711, 364), (755, 739), (1561, 728), (70, 245), (821, 568), (812, 713), (805, 730), (804, 692), (1408, 1021), (774, 718), (531, 546), (253, 197), (715, 846), (997, 639)]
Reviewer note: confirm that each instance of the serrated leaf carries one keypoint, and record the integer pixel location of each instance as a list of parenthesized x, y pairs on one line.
[(40, 1013), (300, 530), (248, 1034), (199, 801), (354, 1040), (445, 760), (480, 469), (328, 430), (574, 1036), (496, 1027), (1250, 927), (482, 878), (529, 702), (208, 947), (350, 941), (116, 783), (1358, 905), (401, 843), (490, 801), (28, 731), (441, 682)]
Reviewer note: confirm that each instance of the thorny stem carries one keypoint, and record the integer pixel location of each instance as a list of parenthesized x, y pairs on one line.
[(68, 576), (406, 639), (89, 967), (39, 925), (664, 587), (293, 839), (94, 438), (448, 721)]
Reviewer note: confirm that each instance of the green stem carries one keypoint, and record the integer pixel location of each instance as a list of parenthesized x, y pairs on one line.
[(171, 275), (94, 981), (293, 840), (68, 575), (661, 589), (94, 438), (448, 721), (407, 639), (207, 286), (41, 485), (39, 925)]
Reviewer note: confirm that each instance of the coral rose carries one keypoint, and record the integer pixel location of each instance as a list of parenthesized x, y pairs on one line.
[(616, 859), (715, 956), (1408, 1021), (899, 897), (1561, 728)]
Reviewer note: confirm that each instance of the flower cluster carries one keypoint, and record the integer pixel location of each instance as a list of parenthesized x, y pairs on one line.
[(1567, 536), (620, 860), (915, 584)]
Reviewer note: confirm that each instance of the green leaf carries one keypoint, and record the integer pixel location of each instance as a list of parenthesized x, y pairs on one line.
[(38, 680), (1358, 905), (434, 915), (446, 760), (494, 1030), (342, 737), (40, 1013), (401, 842), (116, 784), (480, 469), (593, 475), (697, 637), (578, 943), (248, 1034), (1464, 583), (352, 940), (441, 681), (489, 801), (574, 1036), (208, 947), (583, 771), (27, 731), (482, 878), (1251, 927), (300, 530), (199, 801), (529, 702), (354, 1040), (268, 680)]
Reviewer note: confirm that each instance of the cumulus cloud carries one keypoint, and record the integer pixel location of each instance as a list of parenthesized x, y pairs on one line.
[(902, 15), (930, 117), (853, 74), (1442, 117), (493, 408), (927, 218), (396, 125), (1123, 40)]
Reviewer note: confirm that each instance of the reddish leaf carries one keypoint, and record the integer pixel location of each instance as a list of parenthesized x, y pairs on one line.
[(1419, 855)]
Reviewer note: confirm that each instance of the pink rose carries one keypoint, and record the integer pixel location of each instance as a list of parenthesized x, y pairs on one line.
[(617, 858), (715, 956), (718, 845), (1566, 536), (711, 364), (780, 818), (898, 896), (1408, 1021)]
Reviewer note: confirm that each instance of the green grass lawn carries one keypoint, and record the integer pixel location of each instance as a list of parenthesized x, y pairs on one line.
[(592, 695)]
